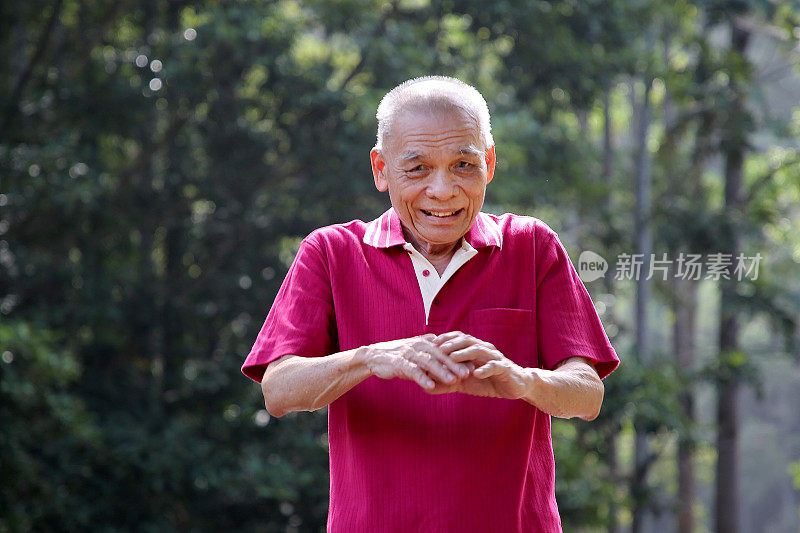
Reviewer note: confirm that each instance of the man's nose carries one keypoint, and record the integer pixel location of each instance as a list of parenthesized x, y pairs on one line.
[(441, 186)]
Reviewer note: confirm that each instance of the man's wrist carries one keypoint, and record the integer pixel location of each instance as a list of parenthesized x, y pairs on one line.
[(533, 384), (362, 358)]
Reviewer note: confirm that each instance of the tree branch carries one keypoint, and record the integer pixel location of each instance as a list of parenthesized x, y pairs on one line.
[(147, 151), (378, 28), (766, 178), (12, 108)]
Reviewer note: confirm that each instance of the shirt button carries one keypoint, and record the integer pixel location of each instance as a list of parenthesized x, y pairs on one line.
[(426, 272), (436, 301)]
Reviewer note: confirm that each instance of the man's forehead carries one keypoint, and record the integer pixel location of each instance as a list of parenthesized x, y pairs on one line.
[(435, 112), (455, 129)]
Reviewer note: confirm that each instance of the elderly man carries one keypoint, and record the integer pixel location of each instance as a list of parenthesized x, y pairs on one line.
[(441, 338)]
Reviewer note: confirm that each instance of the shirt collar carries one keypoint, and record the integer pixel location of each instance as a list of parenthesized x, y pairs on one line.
[(386, 231)]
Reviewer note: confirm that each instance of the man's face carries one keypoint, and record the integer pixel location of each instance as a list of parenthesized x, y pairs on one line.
[(435, 167)]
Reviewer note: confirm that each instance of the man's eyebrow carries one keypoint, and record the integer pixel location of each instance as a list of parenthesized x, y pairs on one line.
[(408, 157)]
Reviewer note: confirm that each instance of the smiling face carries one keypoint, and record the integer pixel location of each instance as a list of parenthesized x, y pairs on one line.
[(436, 168)]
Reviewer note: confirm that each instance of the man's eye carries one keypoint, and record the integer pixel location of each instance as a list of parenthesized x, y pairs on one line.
[(418, 168), (464, 164)]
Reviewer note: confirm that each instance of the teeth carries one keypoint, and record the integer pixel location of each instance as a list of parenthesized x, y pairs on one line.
[(441, 214)]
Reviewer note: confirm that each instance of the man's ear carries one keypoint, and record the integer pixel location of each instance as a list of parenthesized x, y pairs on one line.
[(491, 159), (378, 164)]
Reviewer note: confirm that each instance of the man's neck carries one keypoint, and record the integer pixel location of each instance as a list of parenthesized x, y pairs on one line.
[(439, 255)]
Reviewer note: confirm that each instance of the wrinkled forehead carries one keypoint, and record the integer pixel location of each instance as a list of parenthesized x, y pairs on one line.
[(436, 123)]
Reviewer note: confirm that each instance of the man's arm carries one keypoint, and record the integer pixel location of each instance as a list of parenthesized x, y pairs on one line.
[(572, 389), (294, 383)]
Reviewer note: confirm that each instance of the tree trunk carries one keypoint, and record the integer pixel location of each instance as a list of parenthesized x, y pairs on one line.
[(685, 307), (608, 145), (727, 483), (684, 303), (608, 282), (644, 246)]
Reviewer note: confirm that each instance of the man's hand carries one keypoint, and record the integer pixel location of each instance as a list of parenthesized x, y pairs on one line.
[(494, 375), (417, 359), (572, 388)]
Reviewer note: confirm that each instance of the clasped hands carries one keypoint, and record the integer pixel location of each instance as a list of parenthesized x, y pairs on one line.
[(451, 362)]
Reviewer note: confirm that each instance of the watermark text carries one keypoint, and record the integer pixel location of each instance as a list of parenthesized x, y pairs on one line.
[(632, 267)]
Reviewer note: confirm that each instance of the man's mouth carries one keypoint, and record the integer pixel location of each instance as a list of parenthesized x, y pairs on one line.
[(442, 214)]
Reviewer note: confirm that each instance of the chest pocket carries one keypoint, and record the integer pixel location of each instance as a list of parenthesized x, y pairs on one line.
[(512, 331)]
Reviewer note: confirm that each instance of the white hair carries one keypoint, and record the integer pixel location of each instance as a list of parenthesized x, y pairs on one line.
[(433, 93)]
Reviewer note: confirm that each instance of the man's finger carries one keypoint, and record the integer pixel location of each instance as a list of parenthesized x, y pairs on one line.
[(415, 373), (444, 337), (492, 368), (475, 353), (457, 343), (433, 366), (457, 369), (461, 370)]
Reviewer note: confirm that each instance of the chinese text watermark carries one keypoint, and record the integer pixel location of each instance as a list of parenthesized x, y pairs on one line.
[(715, 266)]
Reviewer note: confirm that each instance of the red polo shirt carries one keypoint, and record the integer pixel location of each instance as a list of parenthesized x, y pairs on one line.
[(401, 459)]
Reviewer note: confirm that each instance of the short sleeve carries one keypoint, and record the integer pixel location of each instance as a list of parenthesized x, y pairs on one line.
[(301, 320), (567, 322)]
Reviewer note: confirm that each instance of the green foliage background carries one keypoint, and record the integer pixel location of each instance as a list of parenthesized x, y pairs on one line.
[(161, 160)]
